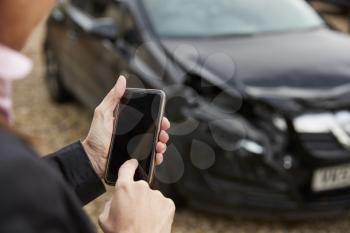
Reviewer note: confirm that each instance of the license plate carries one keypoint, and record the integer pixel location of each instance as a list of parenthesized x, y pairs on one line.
[(331, 178)]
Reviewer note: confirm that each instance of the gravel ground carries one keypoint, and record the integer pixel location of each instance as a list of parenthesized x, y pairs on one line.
[(53, 126)]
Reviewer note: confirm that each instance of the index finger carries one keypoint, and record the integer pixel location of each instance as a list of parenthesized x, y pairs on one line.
[(127, 171)]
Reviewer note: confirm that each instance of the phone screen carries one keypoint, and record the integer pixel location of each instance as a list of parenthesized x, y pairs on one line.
[(135, 134)]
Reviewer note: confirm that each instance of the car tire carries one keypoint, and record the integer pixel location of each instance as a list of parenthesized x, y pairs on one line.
[(57, 90)]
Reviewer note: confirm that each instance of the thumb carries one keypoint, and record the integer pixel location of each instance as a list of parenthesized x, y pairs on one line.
[(112, 99)]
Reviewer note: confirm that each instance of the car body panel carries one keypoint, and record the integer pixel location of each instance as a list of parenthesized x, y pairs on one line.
[(311, 60)]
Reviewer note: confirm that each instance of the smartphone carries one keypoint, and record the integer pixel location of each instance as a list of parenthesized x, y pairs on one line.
[(135, 133)]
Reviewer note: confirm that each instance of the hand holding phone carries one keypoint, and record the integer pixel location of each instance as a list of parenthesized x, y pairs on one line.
[(154, 214), (98, 140), (135, 135)]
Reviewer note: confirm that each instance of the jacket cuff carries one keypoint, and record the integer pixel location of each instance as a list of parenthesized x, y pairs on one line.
[(79, 172)]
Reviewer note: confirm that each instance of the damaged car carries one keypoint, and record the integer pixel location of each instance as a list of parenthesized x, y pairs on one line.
[(258, 95)]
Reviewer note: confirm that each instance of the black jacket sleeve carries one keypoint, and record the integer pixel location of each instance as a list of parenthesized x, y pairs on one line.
[(35, 197), (73, 163)]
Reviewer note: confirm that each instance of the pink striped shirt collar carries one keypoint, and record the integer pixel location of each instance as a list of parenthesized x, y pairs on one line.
[(13, 66)]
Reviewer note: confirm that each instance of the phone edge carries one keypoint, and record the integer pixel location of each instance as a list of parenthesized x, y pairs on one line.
[(105, 177), (160, 118)]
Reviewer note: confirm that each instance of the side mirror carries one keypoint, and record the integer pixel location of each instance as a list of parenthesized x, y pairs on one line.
[(99, 27), (104, 28)]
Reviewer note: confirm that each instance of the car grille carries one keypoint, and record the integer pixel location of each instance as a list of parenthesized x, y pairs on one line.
[(323, 146)]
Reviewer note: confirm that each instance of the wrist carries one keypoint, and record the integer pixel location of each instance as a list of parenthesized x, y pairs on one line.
[(91, 156)]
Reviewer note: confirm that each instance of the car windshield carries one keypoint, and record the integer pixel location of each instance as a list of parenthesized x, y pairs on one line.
[(203, 18)]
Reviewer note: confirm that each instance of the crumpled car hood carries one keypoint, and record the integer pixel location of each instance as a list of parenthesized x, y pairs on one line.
[(305, 64)]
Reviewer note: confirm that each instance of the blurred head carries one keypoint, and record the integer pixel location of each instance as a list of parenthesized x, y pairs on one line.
[(18, 19)]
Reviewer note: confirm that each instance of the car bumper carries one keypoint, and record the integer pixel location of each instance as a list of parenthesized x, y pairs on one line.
[(257, 186)]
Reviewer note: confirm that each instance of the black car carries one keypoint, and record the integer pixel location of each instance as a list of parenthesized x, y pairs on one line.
[(258, 95), (330, 8), (340, 3)]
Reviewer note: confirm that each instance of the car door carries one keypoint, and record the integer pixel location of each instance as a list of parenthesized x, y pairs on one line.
[(59, 41), (72, 62), (94, 62), (121, 53)]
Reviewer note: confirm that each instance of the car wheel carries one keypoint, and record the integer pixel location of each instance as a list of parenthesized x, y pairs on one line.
[(58, 92)]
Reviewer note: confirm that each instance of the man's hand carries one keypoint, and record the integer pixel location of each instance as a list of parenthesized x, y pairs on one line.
[(99, 137), (135, 208)]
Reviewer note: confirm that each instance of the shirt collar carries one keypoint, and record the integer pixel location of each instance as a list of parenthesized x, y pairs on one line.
[(13, 65)]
